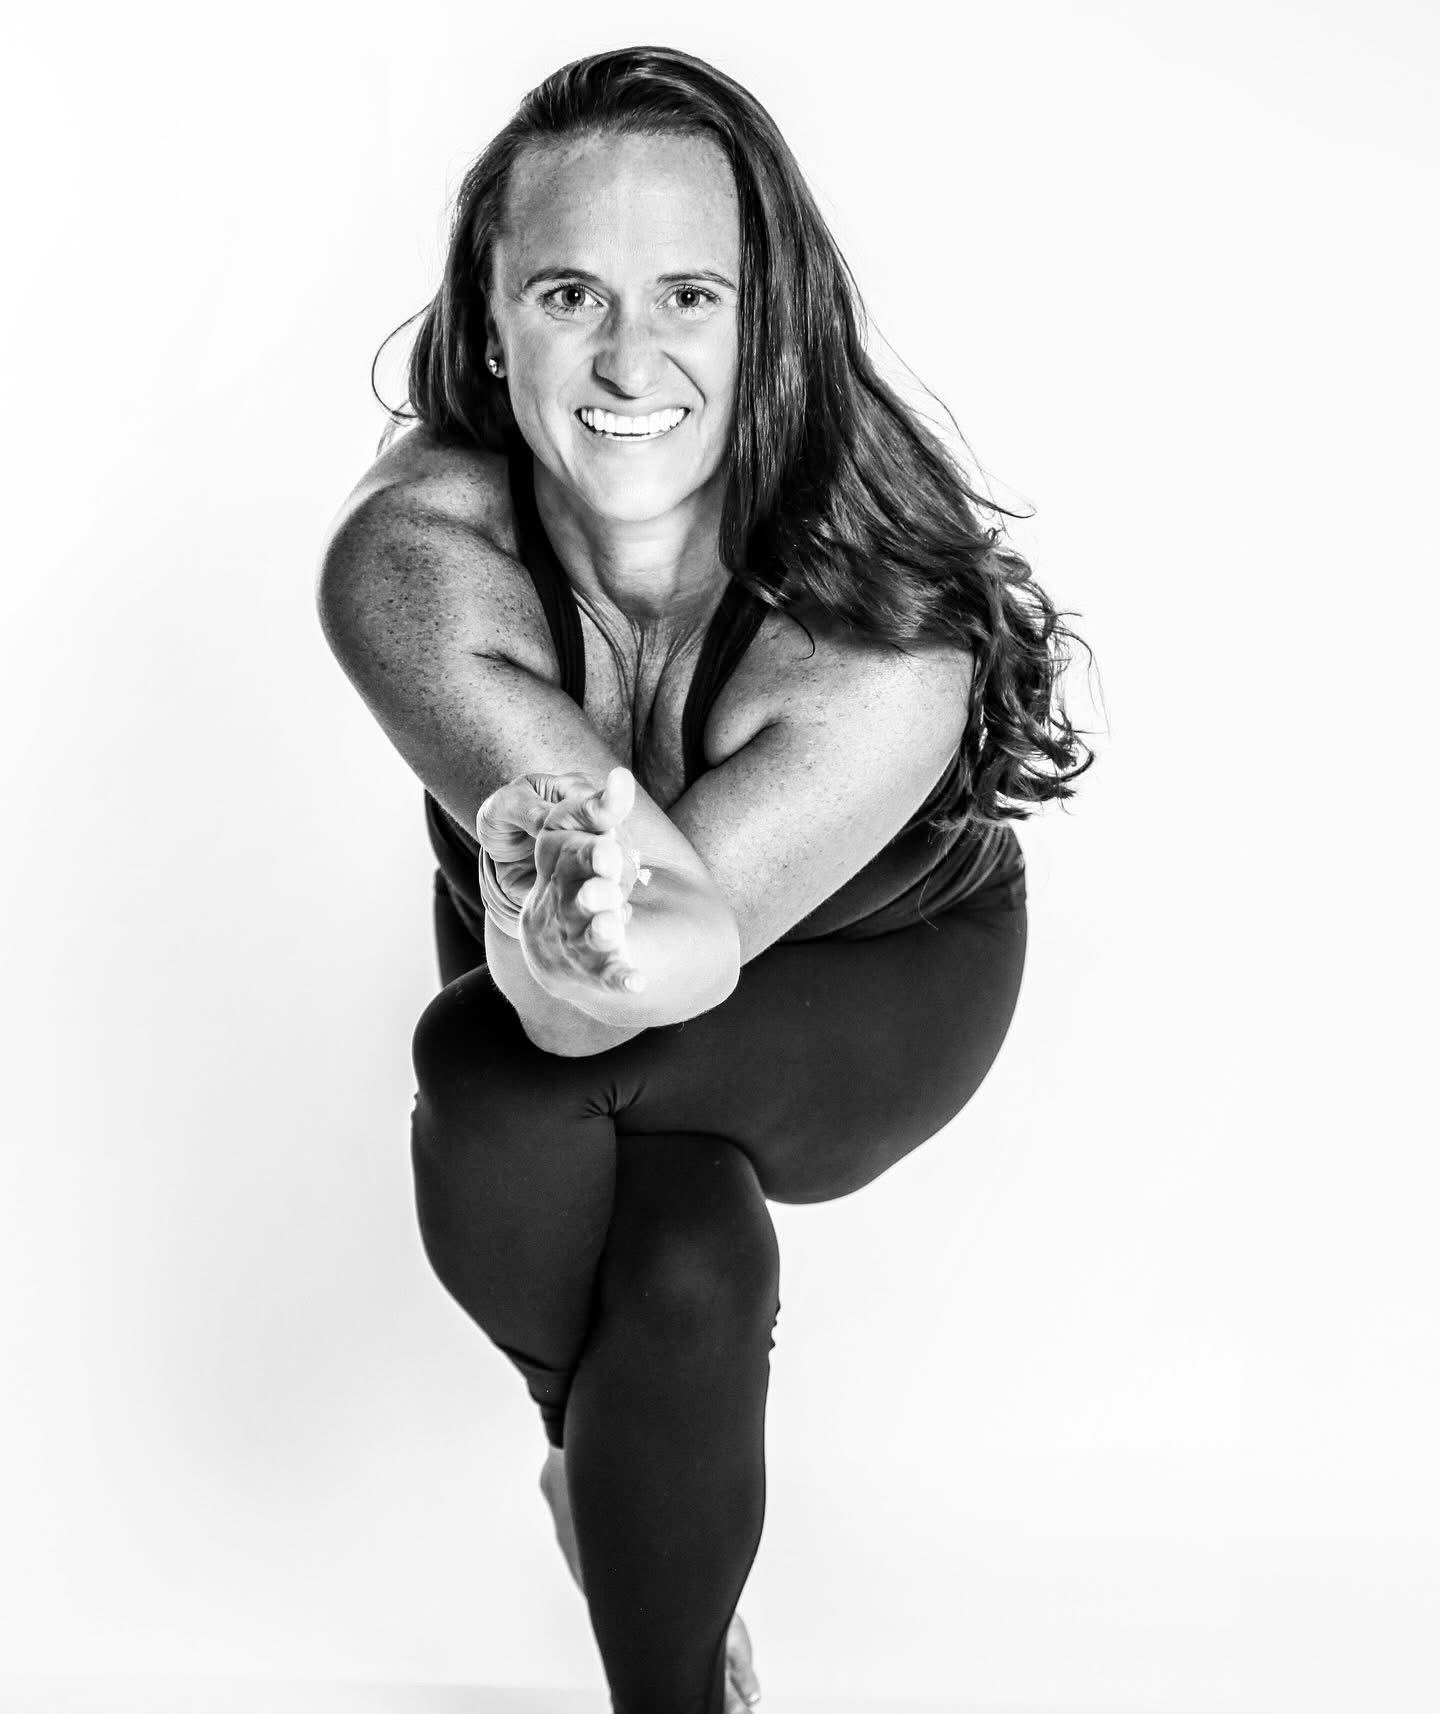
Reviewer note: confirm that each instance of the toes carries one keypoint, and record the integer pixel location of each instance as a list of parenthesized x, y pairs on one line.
[(736, 1702), (739, 1665)]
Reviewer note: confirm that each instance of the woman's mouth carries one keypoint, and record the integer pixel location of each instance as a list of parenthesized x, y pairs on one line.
[(612, 427)]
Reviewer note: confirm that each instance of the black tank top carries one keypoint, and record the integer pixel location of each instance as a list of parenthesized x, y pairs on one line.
[(916, 877)]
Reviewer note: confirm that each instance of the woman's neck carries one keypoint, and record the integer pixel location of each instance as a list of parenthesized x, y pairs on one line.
[(658, 573)]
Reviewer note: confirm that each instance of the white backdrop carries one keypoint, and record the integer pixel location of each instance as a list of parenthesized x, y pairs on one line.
[(1120, 1395)]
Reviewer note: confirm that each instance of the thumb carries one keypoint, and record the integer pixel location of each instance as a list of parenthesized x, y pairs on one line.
[(508, 820), (619, 793)]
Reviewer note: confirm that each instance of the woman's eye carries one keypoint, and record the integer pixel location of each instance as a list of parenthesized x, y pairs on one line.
[(571, 299), (698, 298), (567, 300)]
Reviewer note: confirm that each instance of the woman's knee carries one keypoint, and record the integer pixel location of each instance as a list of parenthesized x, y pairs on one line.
[(692, 1249), (468, 1045), (486, 1095)]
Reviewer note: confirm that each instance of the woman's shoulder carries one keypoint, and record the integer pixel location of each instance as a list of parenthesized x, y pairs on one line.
[(466, 485), (427, 536), (810, 669), (804, 651)]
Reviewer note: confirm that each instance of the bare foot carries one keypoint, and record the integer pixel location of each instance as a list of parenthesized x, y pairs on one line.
[(742, 1688), (557, 1496)]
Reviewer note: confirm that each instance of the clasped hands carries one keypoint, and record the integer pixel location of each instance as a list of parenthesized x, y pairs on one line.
[(557, 876)]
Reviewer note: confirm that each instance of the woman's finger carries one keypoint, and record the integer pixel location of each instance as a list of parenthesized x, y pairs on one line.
[(606, 858), (624, 977), (554, 788), (509, 819), (619, 793), (599, 809), (516, 812), (606, 929), (599, 894)]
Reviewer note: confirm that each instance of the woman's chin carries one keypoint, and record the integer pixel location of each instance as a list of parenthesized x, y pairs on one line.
[(628, 493)]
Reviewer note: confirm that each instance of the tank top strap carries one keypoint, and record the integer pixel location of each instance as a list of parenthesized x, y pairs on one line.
[(547, 574), (731, 631)]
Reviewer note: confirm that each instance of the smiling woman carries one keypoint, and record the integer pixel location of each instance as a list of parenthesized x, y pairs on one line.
[(725, 703), (621, 366)]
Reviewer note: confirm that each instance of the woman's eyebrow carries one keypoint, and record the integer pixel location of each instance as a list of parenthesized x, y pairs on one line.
[(589, 279)]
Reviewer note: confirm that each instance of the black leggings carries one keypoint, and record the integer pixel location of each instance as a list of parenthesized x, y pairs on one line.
[(603, 1220)]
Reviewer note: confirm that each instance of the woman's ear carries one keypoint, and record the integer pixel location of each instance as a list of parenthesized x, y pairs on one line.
[(494, 350)]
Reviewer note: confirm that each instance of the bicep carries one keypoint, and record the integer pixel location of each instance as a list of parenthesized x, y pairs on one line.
[(816, 794)]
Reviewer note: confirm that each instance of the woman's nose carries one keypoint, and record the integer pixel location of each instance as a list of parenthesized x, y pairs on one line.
[(629, 356)]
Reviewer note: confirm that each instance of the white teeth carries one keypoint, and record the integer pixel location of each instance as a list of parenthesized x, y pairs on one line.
[(632, 428)]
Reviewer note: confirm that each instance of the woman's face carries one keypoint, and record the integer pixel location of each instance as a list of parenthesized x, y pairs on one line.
[(613, 296)]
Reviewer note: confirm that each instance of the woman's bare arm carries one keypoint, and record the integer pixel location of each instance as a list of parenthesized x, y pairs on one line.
[(443, 635), (440, 631)]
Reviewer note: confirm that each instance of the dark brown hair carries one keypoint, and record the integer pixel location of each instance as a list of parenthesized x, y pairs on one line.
[(837, 491)]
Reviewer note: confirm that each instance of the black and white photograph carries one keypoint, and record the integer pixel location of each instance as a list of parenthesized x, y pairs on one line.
[(719, 955)]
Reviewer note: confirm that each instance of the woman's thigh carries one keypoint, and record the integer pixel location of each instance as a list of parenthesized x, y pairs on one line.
[(832, 1059)]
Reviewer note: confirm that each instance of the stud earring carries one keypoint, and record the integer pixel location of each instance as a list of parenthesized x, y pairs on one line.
[(492, 366)]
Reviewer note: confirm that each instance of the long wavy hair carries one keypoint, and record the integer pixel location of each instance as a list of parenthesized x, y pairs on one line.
[(837, 491)]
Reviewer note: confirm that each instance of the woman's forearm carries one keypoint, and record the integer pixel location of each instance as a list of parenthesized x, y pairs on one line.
[(551, 1023)]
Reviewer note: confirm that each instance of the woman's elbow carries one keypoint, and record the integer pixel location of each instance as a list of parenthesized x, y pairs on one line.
[(698, 954)]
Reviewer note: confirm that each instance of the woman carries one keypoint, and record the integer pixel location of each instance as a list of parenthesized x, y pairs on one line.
[(669, 599)]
